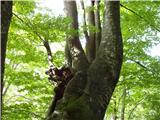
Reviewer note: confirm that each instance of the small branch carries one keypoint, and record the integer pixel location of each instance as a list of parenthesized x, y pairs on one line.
[(139, 102), (68, 55), (147, 21), (141, 65), (152, 71), (45, 42), (20, 18), (49, 52), (29, 25), (5, 91), (138, 63), (123, 103)]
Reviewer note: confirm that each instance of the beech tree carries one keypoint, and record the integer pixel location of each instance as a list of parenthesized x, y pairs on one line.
[(36, 33), (96, 69)]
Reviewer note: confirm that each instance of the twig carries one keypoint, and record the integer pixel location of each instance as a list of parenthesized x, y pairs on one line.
[(137, 62)]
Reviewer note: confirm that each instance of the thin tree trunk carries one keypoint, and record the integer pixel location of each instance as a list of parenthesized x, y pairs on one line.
[(84, 22), (138, 103), (114, 115), (6, 14), (98, 24), (123, 104), (79, 60), (68, 56), (91, 45)]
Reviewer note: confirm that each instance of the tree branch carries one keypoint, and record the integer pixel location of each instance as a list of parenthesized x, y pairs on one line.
[(146, 20), (45, 42), (49, 52), (139, 102), (79, 60), (138, 63), (30, 25), (141, 65), (5, 91)]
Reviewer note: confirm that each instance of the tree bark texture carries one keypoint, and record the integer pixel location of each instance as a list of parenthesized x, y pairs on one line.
[(88, 93), (97, 24), (84, 22), (6, 14), (91, 44), (79, 60)]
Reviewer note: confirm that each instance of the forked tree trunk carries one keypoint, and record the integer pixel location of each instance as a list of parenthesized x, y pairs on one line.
[(6, 14), (87, 95)]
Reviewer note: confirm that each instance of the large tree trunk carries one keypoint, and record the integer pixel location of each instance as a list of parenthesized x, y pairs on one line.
[(6, 14), (87, 95)]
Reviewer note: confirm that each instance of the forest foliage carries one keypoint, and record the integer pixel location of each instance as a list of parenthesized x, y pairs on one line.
[(27, 92)]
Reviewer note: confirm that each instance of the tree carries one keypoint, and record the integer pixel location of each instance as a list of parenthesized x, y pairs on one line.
[(6, 11), (96, 74), (27, 91)]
